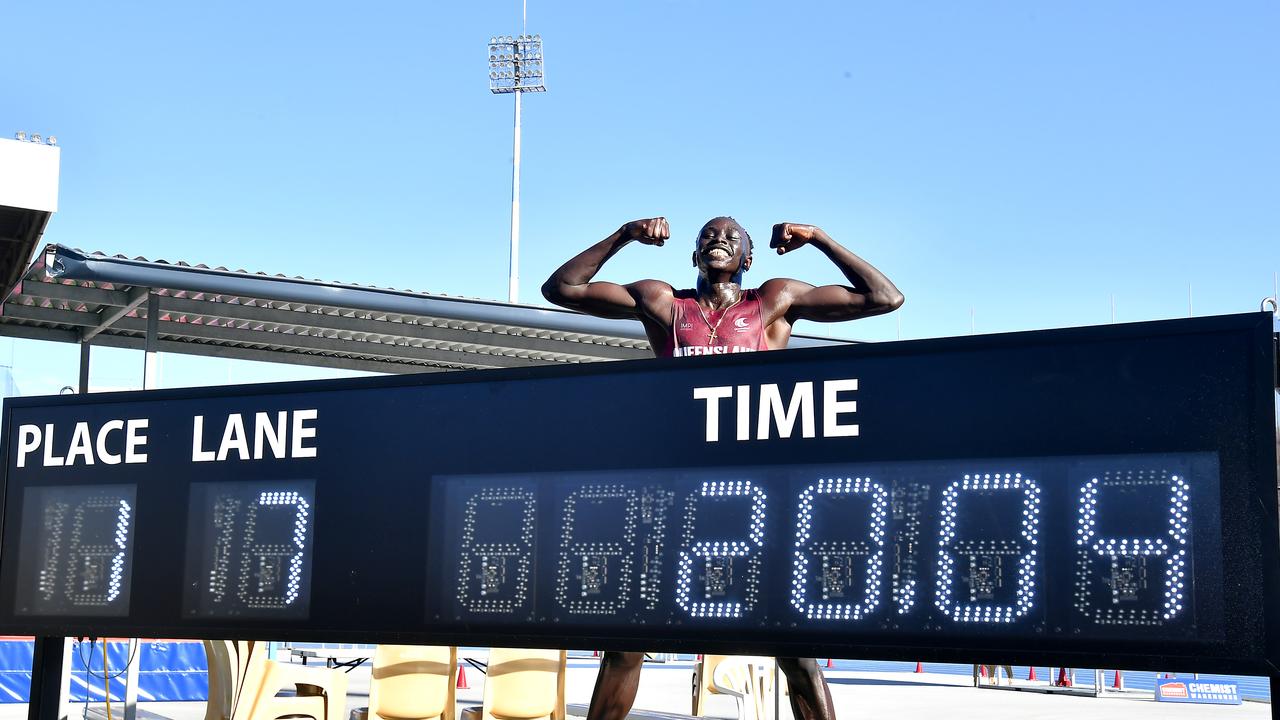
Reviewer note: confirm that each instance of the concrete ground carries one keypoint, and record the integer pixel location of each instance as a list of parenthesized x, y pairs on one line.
[(665, 689)]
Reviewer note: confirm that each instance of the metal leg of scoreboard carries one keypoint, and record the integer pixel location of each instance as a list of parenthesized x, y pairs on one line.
[(50, 668), (131, 679), (1275, 695)]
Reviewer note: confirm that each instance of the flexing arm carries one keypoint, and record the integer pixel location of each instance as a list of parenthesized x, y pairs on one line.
[(871, 293), (571, 285)]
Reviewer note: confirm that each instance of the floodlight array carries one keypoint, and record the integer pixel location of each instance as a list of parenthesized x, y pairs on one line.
[(515, 64)]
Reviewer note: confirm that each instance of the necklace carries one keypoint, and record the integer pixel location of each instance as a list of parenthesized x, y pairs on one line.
[(716, 328)]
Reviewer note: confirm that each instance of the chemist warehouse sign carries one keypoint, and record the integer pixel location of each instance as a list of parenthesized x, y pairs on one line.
[(1201, 692)]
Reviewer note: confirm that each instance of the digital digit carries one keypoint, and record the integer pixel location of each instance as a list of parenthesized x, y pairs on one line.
[(908, 503), (1133, 549), (845, 571), (249, 549), (99, 530), (727, 570), (597, 558), (497, 550), (996, 577), (82, 545), (276, 527)]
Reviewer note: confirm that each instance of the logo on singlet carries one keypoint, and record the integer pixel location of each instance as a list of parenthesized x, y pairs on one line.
[(742, 325)]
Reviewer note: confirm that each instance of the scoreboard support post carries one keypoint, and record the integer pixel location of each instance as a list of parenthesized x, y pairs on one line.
[(49, 669), (131, 679), (1275, 688)]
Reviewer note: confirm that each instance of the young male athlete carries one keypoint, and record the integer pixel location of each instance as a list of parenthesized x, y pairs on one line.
[(716, 317)]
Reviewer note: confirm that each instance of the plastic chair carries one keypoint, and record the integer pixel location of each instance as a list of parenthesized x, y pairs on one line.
[(413, 682), (745, 679), (243, 685), (522, 685)]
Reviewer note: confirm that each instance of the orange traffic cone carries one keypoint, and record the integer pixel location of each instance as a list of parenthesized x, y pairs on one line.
[(919, 666), (830, 663), (462, 678), (1031, 673), (1118, 684), (595, 653), (1064, 680), (982, 671)]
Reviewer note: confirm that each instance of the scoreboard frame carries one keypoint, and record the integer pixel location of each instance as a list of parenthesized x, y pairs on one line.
[(1174, 372)]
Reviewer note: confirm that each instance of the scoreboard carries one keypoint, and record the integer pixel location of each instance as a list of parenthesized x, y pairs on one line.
[(1093, 495)]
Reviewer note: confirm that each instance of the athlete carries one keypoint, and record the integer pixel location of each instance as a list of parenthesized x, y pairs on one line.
[(717, 317)]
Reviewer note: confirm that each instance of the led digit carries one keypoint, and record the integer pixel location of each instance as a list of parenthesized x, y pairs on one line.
[(494, 572), (836, 572), (596, 556), (725, 593), (89, 547), (81, 546), (1118, 581), (908, 503), (249, 549), (271, 571), (988, 559)]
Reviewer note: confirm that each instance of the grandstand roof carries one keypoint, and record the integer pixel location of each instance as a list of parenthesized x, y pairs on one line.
[(68, 295)]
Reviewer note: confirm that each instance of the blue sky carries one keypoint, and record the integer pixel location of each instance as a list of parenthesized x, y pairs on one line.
[(1021, 161)]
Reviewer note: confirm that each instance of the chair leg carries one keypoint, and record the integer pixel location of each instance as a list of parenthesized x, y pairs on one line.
[(335, 700)]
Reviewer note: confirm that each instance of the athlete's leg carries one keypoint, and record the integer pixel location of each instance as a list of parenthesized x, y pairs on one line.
[(810, 696), (616, 685)]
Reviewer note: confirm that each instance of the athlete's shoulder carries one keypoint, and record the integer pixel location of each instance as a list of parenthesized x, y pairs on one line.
[(782, 289), (653, 299), (651, 285)]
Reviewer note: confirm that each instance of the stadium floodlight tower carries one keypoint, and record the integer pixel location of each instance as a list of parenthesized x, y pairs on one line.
[(515, 66)]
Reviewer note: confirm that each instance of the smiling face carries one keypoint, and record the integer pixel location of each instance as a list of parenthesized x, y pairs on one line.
[(723, 251)]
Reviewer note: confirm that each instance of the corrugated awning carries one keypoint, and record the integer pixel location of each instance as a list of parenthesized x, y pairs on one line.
[(68, 296), (20, 231)]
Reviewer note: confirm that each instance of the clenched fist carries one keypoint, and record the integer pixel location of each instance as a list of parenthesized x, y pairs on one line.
[(654, 231), (789, 236)]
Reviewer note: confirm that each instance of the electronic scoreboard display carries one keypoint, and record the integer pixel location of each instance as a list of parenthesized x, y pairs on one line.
[(1102, 495)]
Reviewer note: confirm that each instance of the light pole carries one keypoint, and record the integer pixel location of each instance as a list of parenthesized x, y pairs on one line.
[(515, 66)]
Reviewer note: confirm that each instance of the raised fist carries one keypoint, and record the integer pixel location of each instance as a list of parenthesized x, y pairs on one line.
[(654, 231), (789, 236)]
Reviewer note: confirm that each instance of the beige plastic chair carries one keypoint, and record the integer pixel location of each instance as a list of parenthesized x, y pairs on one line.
[(413, 682), (243, 685), (746, 679), (522, 685)]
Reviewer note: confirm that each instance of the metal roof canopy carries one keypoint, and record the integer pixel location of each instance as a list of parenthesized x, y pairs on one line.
[(28, 198), (20, 231), (68, 296)]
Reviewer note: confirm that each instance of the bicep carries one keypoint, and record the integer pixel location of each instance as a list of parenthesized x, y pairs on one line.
[(611, 300), (826, 303), (602, 299)]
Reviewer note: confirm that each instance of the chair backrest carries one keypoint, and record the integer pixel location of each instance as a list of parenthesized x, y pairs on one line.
[(412, 682), (220, 656), (251, 666), (741, 676), (524, 684), (236, 669), (703, 683)]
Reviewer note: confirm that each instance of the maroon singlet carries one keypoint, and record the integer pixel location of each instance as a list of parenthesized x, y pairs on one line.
[(738, 328)]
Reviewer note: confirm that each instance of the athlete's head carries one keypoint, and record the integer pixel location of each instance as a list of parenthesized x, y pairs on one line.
[(723, 248)]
